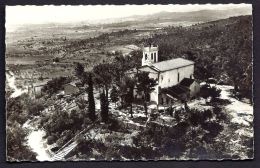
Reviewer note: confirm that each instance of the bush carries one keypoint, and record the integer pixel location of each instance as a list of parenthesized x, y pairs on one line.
[(130, 152), (55, 149), (41, 78), (207, 115), (220, 115), (214, 92), (172, 148), (35, 108), (50, 140), (207, 91), (114, 125), (112, 153), (213, 128), (139, 119), (16, 148), (149, 153), (123, 106)]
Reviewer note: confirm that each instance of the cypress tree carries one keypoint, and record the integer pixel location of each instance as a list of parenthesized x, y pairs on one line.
[(91, 100), (114, 95), (104, 107)]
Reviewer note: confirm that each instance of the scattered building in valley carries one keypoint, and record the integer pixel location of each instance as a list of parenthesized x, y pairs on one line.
[(35, 91), (70, 88)]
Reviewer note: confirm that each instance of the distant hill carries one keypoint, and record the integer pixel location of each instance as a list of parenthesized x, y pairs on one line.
[(194, 16), (142, 20)]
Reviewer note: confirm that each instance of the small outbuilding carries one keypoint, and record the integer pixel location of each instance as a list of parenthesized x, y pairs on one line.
[(192, 85), (70, 88)]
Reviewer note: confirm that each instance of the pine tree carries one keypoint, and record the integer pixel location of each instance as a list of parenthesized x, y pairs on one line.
[(104, 107), (126, 90), (91, 100), (145, 85)]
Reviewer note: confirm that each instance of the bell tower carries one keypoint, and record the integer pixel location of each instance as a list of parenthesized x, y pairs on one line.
[(150, 55)]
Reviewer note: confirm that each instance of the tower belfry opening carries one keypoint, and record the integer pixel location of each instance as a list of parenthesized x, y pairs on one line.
[(150, 54)]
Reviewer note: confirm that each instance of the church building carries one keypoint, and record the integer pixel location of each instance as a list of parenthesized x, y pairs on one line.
[(175, 81)]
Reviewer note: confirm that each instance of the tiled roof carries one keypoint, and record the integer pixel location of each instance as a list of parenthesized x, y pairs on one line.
[(175, 91), (152, 67), (172, 64), (73, 83), (186, 82)]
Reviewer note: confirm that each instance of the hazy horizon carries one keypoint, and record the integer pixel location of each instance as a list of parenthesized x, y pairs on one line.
[(17, 15)]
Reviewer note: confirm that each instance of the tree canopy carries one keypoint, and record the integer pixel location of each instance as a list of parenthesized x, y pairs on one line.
[(145, 84)]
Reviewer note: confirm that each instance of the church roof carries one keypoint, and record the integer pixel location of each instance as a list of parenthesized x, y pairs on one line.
[(186, 82), (172, 64)]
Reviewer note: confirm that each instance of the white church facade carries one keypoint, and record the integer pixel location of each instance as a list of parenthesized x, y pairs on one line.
[(174, 77)]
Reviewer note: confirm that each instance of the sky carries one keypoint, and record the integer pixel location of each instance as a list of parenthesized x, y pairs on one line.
[(16, 15)]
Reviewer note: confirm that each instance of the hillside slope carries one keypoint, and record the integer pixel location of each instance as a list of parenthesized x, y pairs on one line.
[(221, 49)]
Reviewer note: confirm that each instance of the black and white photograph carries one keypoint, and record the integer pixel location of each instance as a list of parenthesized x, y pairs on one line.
[(129, 82)]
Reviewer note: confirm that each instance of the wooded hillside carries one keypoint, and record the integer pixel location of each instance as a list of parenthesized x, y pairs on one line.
[(221, 49)]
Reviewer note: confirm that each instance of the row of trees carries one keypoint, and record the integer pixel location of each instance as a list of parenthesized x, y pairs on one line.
[(112, 75)]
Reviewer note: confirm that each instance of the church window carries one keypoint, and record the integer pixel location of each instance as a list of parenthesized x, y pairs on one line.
[(152, 56), (162, 100), (145, 56), (178, 77)]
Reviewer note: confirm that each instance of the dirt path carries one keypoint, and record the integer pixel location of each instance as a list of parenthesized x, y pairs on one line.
[(241, 112), (35, 141)]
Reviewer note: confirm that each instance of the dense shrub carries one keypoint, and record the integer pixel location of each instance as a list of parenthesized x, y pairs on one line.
[(35, 108), (213, 128), (16, 148), (113, 153), (129, 152), (64, 127), (207, 115), (207, 91), (55, 85), (220, 115), (50, 140), (172, 148), (113, 125)]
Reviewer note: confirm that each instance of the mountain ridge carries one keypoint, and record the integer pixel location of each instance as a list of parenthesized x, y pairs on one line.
[(200, 15)]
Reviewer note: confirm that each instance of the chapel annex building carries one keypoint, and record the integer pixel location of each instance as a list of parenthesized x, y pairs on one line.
[(174, 77)]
